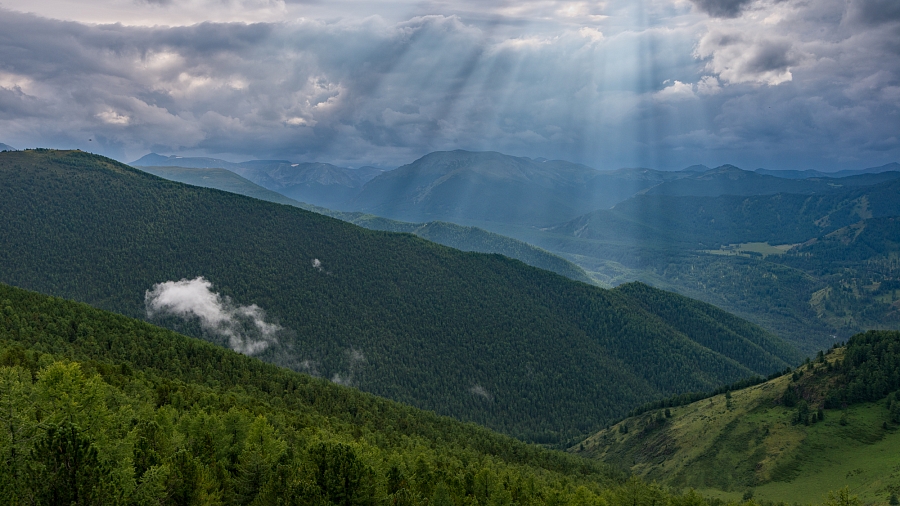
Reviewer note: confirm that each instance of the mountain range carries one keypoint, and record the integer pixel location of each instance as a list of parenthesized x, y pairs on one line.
[(722, 235), (480, 337), (134, 412), (804, 174), (319, 184), (472, 187)]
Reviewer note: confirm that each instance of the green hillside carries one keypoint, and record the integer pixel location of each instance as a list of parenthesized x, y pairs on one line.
[(472, 239), (831, 423), (99, 409), (448, 234), (479, 337)]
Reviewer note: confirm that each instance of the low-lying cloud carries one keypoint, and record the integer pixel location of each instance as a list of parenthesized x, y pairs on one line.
[(245, 327), (482, 392), (355, 360)]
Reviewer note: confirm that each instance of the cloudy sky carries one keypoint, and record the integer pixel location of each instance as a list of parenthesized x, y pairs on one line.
[(618, 83)]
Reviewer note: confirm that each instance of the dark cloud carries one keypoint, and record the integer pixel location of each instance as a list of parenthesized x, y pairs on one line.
[(874, 12), (770, 55), (722, 8), (378, 92)]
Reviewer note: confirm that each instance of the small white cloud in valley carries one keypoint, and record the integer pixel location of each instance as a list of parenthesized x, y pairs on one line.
[(480, 391), (245, 327), (355, 359)]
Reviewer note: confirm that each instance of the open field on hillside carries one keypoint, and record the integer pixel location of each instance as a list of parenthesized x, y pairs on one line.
[(748, 442), (751, 249)]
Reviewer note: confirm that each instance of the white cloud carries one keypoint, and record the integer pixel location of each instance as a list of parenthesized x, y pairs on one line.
[(592, 34), (114, 118), (245, 327), (482, 392), (676, 91), (708, 85)]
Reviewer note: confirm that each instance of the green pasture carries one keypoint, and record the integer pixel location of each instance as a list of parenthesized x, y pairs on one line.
[(748, 248)]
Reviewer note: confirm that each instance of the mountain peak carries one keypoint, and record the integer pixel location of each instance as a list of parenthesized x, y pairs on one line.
[(727, 168), (151, 159)]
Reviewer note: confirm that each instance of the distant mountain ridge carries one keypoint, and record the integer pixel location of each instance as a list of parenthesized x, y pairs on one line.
[(809, 173), (704, 222), (469, 188), (319, 184), (464, 186), (806, 266), (6, 147), (731, 180)]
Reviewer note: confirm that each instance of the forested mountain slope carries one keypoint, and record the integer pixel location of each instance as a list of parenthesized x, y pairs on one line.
[(832, 422), (100, 409), (480, 337), (448, 234)]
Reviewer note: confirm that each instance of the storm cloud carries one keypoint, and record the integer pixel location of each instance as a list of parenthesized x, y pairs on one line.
[(666, 84), (722, 8)]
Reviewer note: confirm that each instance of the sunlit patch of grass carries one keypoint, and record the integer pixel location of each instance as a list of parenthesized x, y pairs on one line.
[(861, 455), (749, 249), (725, 449)]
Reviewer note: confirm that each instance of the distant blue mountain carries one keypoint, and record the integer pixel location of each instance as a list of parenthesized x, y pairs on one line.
[(731, 180), (319, 184), (469, 187), (6, 147), (807, 174)]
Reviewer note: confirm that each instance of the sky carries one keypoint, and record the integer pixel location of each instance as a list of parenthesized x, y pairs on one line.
[(779, 84)]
